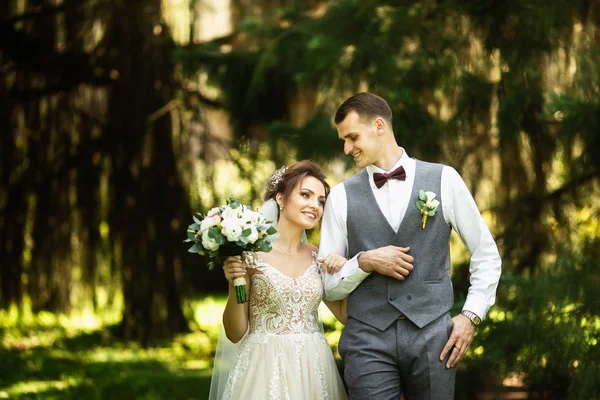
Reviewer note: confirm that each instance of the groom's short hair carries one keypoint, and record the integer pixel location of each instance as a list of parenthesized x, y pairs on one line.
[(367, 105)]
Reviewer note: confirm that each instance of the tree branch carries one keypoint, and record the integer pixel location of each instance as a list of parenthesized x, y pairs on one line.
[(572, 184), (551, 196)]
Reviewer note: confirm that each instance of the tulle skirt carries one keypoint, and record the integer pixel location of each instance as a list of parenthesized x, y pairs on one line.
[(284, 367)]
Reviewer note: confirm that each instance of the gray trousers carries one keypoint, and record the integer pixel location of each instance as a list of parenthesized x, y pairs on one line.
[(402, 360)]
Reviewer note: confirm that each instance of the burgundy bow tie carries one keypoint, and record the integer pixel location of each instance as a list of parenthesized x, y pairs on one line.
[(380, 179)]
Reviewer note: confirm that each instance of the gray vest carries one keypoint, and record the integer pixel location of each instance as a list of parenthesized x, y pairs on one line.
[(427, 292)]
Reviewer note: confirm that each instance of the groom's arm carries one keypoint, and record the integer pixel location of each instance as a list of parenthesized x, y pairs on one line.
[(462, 213), (485, 267), (334, 240)]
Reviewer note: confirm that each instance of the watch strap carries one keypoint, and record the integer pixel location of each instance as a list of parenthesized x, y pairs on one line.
[(474, 318)]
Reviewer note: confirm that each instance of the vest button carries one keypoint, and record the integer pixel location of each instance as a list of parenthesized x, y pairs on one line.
[(409, 297), (392, 298)]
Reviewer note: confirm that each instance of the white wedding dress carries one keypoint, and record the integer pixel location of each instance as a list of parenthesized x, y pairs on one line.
[(284, 355)]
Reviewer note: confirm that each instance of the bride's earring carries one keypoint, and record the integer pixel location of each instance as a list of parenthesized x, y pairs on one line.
[(280, 208)]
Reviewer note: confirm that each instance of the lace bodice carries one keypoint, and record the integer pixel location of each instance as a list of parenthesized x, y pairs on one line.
[(280, 304), (285, 355)]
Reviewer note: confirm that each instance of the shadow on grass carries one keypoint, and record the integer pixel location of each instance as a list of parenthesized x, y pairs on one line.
[(95, 366)]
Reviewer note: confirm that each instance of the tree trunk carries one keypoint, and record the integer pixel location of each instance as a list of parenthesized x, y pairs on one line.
[(148, 201)]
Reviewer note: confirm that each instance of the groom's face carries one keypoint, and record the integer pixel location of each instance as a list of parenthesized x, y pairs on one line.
[(361, 140)]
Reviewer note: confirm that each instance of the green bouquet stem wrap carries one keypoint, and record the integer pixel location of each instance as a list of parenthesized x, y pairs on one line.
[(240, 289)]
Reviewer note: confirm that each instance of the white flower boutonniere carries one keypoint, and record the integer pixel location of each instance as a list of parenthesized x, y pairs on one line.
[(427, 205)]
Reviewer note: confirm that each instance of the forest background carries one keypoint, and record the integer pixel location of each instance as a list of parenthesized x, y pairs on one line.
[(120, 119)]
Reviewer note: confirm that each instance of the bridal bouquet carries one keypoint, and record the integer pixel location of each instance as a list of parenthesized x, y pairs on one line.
[(229, 231)]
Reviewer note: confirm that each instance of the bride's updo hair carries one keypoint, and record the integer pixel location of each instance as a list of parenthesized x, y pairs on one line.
[(284, 180)]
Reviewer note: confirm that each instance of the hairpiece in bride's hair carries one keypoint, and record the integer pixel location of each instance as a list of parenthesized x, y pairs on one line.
[(273, 181)]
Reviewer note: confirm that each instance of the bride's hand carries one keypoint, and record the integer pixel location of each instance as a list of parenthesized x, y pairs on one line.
[(234, 267), (332, 263)]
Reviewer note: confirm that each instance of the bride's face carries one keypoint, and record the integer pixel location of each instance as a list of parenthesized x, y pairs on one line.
[(304, 206)]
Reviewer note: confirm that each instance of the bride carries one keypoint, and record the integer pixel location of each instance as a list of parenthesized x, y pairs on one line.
[(281, 352)]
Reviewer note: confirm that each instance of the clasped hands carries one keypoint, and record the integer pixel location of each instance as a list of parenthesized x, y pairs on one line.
[(392, 261)]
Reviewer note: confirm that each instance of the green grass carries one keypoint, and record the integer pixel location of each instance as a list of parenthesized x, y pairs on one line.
[(47, 356), (100, 371)]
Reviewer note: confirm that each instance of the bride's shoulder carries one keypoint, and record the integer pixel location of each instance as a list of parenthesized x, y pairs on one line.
[(313, 250), (311, 247)]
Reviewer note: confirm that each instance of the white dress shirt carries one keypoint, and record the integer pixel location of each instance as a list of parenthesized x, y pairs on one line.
[(460, 211)]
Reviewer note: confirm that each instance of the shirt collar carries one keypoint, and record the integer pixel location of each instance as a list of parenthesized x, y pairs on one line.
[(404, 160)]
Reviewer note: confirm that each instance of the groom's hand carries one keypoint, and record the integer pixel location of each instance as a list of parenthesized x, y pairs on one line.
[(392, 261), (459, 341)]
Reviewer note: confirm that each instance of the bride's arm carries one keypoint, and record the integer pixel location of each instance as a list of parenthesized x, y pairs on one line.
[(330, 265), (338, 309), (235, 316)]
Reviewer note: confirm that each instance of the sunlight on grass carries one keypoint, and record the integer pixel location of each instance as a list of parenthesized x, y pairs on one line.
[(208, 312), (40, 386), (25, 330), (202, 365), (107, 354)]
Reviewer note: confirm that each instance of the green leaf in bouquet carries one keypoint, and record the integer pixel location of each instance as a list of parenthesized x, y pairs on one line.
[(264, 247), (191, 235), (431, 213), (271, 230), (233, 203), (194, 227), (196, 248), (196, 220), (219, 239), (210, 265), (246, 232), (420, 204), (214, 233), (422, 195)]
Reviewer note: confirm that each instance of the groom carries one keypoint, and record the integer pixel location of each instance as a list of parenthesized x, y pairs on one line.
[(400, 338)]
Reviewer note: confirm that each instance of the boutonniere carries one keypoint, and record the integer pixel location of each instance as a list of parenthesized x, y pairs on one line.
[(428, 205)]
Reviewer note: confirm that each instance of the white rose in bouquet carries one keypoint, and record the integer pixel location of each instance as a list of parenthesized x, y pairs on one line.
[(213, 211), (230, 213), (231, 229), (209, 222), (251, 217), (209, 243)]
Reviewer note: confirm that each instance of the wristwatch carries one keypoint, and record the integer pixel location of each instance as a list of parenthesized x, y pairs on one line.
[(475, 320)]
